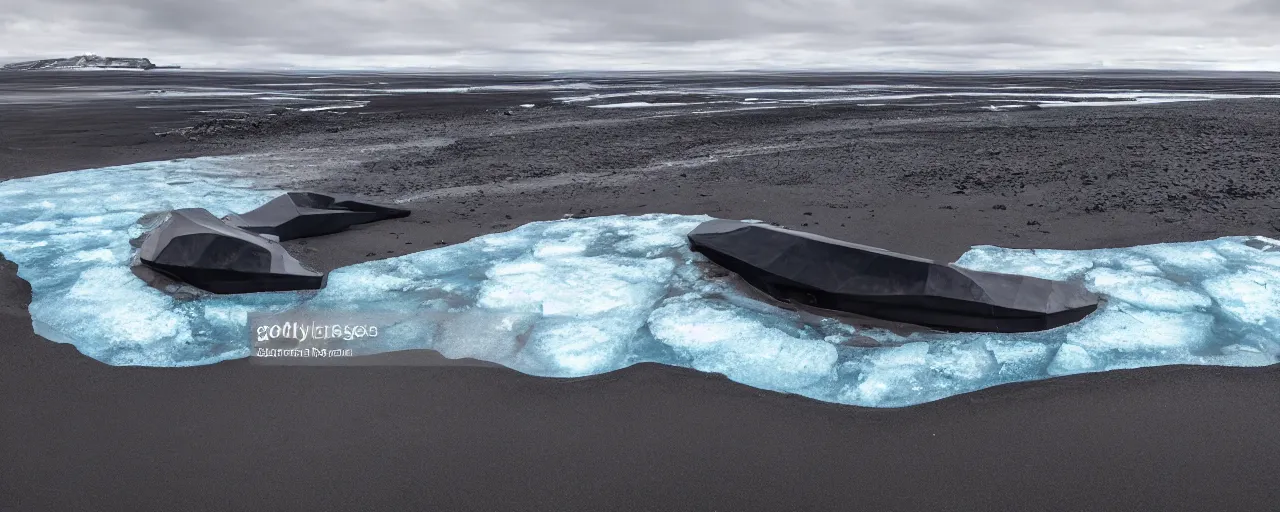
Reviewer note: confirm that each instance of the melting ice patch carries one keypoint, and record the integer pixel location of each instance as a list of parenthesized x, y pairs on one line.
[(584, 296), (580, 297), (69, 234)]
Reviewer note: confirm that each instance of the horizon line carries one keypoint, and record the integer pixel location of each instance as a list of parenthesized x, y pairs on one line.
[(1189, 67), (691, 70)]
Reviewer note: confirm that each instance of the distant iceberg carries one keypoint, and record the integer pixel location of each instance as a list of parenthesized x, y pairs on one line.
[(87, 61)]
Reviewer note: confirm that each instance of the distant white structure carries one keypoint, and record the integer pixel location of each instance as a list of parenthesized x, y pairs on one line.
[(87, 60)]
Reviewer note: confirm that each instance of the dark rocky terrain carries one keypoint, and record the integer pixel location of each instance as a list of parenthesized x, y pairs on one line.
[(1047, 178), (929, 181)]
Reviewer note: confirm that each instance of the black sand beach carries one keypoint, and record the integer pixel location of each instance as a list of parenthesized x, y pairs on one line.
[(78, 434)]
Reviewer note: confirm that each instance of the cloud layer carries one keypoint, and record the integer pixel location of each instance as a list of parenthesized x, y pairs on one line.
[(655, 34)]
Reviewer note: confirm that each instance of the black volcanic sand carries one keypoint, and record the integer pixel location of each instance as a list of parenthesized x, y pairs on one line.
[(78, 434)]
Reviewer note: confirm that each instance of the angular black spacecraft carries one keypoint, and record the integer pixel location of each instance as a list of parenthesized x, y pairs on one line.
[(835, 275), (195, 247), (303, 214)]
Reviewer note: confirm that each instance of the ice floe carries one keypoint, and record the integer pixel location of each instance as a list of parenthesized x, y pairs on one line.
[(579, 297), (640, 104)]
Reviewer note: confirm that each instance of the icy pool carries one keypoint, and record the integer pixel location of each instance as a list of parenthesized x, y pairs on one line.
[(585, 296)]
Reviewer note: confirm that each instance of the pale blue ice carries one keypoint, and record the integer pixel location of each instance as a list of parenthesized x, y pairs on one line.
[(580, 297)]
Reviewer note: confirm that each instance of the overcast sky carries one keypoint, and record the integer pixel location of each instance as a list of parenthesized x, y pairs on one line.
[(654, 34)]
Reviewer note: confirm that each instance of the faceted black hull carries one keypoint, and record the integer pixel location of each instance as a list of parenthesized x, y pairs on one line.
[(306, 214), (831, 274), (303, 226), (240, 254), (199, 249), (228, 282), (324, 201)]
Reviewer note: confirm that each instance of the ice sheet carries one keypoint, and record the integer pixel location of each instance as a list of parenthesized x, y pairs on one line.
[(69, 234), (640, 104), (580, 297)]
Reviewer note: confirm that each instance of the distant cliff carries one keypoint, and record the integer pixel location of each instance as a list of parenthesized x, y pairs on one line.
[(84, 61)]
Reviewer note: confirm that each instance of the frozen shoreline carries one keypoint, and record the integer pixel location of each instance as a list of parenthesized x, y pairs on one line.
[(493, 437), (583, 297)]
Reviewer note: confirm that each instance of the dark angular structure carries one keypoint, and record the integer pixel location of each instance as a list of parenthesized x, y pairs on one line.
[(835, 275), (197, 248), (304, 214)]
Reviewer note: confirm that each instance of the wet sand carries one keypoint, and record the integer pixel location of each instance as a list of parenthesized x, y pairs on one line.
[(79, 434)]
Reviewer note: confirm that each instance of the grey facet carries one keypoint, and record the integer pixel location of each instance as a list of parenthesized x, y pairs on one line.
[(195, 247), (304, 214), (836, 275)]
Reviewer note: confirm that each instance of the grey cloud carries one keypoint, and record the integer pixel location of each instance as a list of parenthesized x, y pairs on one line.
[(1267, 7), (678, 33)]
